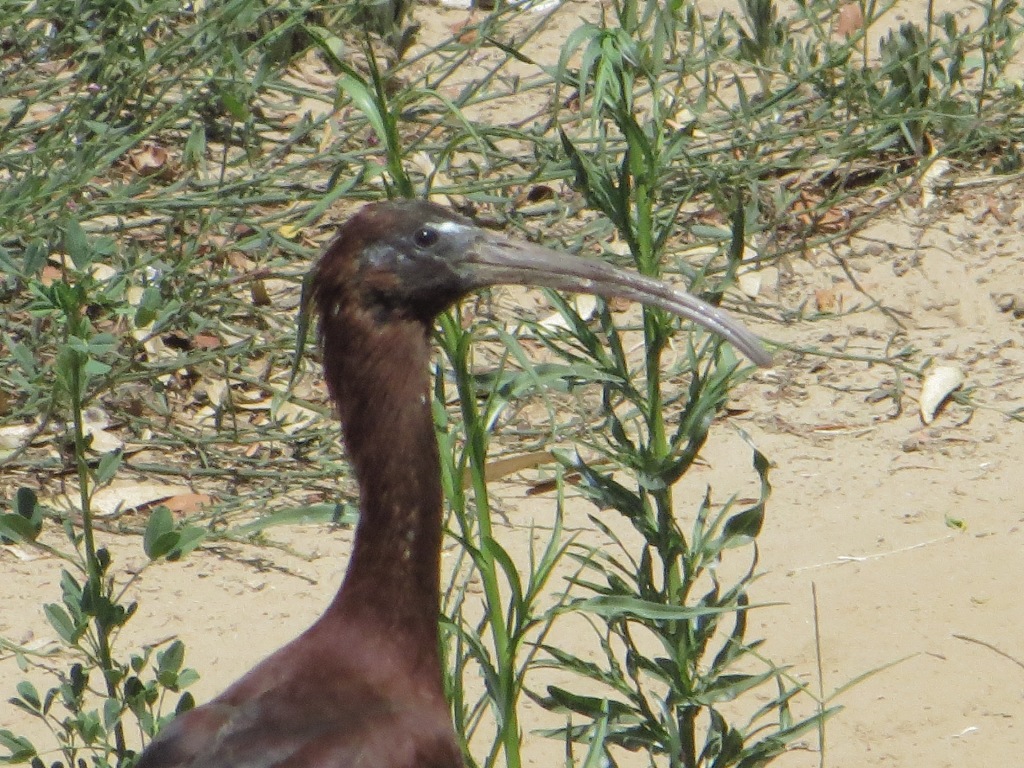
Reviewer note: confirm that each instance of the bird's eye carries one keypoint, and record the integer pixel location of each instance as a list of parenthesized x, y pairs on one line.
[(425, 237)]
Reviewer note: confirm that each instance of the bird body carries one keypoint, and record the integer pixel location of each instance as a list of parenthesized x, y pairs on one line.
[(370, 663), (362, 687), (327, 699)]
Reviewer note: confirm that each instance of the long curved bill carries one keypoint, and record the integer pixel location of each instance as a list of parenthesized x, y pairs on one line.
[(494, 259)]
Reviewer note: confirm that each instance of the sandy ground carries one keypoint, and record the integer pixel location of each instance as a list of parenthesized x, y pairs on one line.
[(912, 535)]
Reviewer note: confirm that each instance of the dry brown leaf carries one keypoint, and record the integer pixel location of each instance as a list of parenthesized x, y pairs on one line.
[(826, 300), (806, 209), (1002, 212), (465, 31), (216, 390), (187, 503), (240, 262), (495, 470), (205, 341), (849, 20), (51, 275)]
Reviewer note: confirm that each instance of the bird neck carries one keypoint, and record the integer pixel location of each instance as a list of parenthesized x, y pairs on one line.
[(379, 376)]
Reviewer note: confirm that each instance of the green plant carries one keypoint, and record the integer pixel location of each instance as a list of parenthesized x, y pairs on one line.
[(766, 36), (669, 703), (86, 716)]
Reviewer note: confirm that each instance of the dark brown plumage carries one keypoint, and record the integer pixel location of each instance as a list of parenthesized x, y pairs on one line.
[(362, 686)]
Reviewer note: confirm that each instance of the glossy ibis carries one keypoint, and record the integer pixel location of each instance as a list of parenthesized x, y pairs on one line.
[(362, 686)]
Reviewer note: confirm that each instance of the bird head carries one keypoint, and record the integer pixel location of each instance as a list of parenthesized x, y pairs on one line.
[(412, 259)]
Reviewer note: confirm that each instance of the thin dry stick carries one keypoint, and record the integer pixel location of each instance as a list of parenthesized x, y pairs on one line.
[(991, 647)]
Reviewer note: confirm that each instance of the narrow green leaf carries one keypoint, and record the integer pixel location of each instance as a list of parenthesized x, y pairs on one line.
[(29, 695), (21, 749), (163, 545), (189, 538), (108, 466), (590, 706), (94, 367), (160, 524), (171, 659), (77, 244), (61, 623), (148, 307), (729, 687), (15, 528), (743, 527), (610, 607), (186, 678), (493, 549), (111, 713), (235, 106), (23, 355), (195, 149), (363, 99), (314, 513)]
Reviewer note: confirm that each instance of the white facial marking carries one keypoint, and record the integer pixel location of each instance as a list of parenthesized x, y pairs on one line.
[(449, 227)]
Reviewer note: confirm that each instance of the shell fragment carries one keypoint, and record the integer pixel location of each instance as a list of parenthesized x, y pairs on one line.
[(939, 383)]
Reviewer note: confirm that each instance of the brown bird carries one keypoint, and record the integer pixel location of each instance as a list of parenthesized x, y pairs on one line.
[(362, 686)]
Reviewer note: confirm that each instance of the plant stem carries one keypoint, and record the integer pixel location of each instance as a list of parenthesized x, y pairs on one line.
[(77, 328), (456, 342)]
